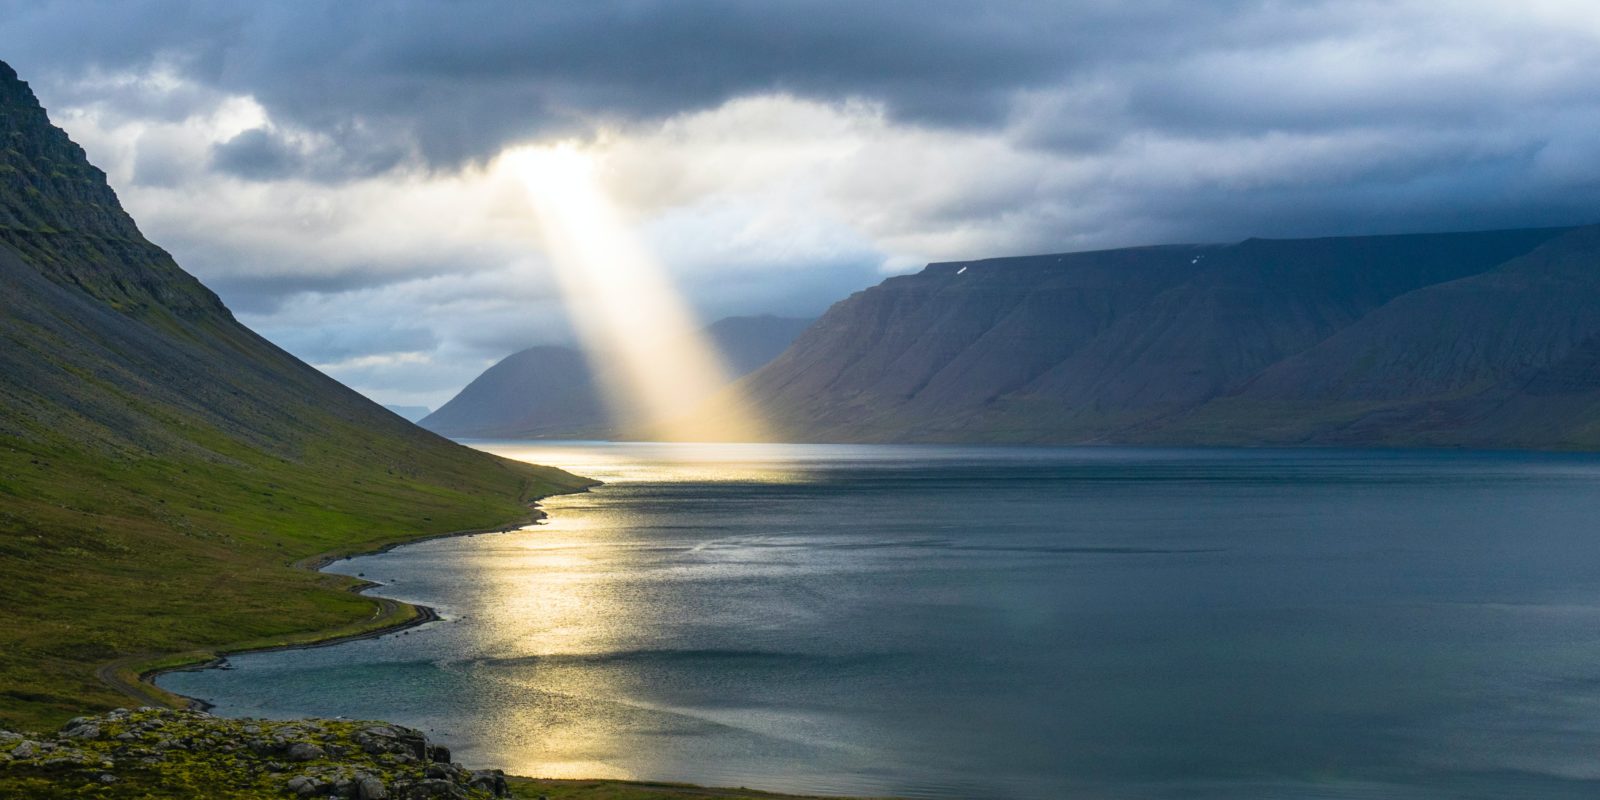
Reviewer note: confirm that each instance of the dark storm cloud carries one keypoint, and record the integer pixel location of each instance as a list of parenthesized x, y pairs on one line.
[(460, 79), (287, 151), (450, 82), (257, 154)]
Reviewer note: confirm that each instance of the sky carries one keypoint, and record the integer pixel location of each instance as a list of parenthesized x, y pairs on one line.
[(333, 170)]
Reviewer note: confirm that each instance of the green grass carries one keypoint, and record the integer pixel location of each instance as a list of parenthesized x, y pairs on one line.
[(106, 558)]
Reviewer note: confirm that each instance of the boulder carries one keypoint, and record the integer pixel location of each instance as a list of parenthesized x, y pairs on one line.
[(371, 788), (304, 785), (492, 781), (436, 788), (305, 751)]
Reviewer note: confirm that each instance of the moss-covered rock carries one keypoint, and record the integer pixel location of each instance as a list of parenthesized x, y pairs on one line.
[(166, 753)]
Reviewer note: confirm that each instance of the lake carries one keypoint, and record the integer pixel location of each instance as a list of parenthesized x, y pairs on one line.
[(943, 622)]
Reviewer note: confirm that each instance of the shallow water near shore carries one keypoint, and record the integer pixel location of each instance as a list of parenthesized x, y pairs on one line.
[(928, 621)]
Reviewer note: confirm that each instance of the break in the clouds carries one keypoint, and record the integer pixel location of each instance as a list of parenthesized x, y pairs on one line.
[(331, 168)]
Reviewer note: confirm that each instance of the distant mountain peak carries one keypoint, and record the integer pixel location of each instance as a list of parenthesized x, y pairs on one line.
[(552, 391)]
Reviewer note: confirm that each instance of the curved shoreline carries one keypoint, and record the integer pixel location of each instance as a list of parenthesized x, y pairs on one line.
[(135, 675)]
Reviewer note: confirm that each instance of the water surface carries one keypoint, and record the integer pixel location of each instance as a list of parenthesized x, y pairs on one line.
[(1002, 623)]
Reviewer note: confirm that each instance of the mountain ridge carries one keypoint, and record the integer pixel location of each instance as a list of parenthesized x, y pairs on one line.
[(1140, 345)]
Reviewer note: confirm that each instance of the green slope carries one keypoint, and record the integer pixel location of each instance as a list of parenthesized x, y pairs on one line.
[(162, 468)]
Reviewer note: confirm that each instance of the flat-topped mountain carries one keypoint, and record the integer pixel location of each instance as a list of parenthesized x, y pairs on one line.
[(1474, 339), (551, 391), (160, 464)]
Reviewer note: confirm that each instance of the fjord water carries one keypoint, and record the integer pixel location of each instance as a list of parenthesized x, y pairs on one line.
[(1002, 623)]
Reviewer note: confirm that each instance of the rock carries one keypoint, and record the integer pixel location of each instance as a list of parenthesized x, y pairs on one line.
[(439, 753), (305, 751), (28, 749), (106, 777), (415, 743), (435, 787), (304, 785), (393, 739), (252, 729), (492, 781), (371, 788), (85, 730)]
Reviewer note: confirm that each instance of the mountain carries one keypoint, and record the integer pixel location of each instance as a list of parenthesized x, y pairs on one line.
[(162, 466), (746, 344), (538, 392), (1481, 339), (409, 413), (551, 391)]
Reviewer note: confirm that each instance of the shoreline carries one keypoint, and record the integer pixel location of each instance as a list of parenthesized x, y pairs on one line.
[(134, 676), (144, 689)]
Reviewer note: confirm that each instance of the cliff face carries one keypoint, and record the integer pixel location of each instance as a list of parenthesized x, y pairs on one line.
[(1265, 341), (551, 391), (57, 211), (160, 464)]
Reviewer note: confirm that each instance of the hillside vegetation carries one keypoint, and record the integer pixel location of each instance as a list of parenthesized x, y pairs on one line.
[(163, 468)]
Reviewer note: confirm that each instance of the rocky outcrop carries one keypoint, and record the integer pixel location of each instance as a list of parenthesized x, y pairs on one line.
[(167, 753), (57, 210)]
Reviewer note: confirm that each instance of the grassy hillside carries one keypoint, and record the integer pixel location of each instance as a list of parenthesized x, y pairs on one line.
[(162, 468)]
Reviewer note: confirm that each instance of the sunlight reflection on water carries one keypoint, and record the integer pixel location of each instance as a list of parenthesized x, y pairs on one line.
[(958, 622)]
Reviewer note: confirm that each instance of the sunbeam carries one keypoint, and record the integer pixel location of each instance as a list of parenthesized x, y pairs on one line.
[(654, 364)]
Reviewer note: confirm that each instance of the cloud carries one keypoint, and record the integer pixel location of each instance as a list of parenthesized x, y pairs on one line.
[(332, 165), (256, 154)]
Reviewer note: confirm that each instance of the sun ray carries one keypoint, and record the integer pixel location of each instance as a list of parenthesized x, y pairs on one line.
[(651, 358)]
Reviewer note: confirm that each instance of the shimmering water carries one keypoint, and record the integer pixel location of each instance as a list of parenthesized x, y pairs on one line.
[(998, 623)]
